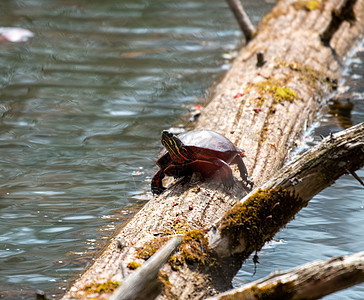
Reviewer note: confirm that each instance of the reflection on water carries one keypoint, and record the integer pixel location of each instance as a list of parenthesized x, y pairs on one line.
[(82, 105), (341, 108)]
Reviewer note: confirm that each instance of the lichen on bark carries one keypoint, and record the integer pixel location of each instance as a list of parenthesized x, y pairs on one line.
[(256, 220)]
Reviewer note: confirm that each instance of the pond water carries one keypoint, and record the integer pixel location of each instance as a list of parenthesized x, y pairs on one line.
[(82, 105)]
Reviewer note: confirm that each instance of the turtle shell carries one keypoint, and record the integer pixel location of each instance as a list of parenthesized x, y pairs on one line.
[(205, 142), (208, 139)]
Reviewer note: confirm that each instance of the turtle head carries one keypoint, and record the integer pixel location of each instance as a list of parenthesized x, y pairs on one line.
[(173, 145)]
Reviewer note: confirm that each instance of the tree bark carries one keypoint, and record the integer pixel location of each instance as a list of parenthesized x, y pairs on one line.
[(263, 109), (309, 281)]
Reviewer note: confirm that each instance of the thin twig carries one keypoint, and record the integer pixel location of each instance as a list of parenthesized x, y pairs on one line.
[(355, 176), (244, 22)]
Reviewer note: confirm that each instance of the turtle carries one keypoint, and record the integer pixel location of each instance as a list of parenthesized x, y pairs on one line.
[(204, 151)]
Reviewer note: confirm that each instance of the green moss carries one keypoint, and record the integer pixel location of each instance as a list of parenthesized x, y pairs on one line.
[(260, 101), (310, 75), (166, 285), (266, 86), (308, 5), (175, 262), (195, 249), (313, 4), (259, 218), (180, 227), (99, 288), (284, 94), (277, 291), (133, 265), (280, 10), (167, 232), (277, 90), (152, 247)]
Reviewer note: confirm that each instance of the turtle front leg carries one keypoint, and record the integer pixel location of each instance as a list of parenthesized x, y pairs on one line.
[(224, 173), (157, 183)]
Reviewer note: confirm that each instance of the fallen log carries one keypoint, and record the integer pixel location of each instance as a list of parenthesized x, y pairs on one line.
[(263, 108), (252, 224), (309, 281)]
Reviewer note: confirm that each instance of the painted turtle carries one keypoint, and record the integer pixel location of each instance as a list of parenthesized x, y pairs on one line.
[(203, 151)]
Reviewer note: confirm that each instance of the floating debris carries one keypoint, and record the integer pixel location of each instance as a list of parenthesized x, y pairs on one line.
[(14, 34)]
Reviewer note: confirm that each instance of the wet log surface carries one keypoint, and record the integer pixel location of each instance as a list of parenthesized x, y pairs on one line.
[(263, 109)]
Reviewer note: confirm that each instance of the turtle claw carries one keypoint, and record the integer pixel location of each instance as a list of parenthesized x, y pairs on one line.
[(248, 184), (158, 190), (228, 183), (227, 180), (186, 179)]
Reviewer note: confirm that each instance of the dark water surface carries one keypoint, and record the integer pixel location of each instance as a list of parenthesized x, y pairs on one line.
[(82, 104)]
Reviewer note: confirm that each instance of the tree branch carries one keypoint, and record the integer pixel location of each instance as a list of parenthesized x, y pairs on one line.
[(259, 215), (242, 18), (142, 283), (309, 281)]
